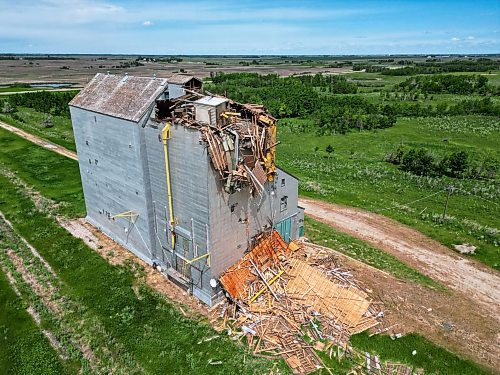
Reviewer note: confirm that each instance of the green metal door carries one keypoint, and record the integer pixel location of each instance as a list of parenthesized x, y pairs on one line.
[(284, 228)]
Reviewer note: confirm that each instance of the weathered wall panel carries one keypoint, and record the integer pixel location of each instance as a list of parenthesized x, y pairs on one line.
[(109, 153)]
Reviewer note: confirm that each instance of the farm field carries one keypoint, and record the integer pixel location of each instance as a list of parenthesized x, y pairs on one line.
[(104, 306), (26, 209)]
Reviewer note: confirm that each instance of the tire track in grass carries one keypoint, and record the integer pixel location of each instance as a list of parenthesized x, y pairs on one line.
[(43, 284)]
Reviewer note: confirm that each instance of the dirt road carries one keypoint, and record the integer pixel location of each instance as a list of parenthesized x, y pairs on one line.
[(39, 141), (412, 247)]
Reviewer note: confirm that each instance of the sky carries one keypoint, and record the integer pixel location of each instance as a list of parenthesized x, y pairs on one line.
[(259, 27)]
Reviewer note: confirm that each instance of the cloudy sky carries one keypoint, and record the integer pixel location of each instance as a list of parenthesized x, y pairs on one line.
[(249, 27)]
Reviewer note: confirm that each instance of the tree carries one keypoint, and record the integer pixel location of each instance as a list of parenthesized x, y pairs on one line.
[(316, 148), (458, 163), (7, 107)]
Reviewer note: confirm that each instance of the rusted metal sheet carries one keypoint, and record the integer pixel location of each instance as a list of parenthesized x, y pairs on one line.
[(125, 97)]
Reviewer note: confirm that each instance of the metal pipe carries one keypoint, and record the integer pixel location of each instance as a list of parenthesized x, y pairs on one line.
[(166, 135)]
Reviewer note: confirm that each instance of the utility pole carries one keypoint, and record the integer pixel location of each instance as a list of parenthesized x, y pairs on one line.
[(450, 190)]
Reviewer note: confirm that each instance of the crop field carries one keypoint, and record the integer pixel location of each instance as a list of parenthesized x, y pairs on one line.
[(68, 310)]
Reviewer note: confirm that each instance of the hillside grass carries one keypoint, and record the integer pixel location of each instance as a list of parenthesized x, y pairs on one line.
[(31, 121), (110, 295), (23, 347), (430, 357), (355, 174), (54, 176)]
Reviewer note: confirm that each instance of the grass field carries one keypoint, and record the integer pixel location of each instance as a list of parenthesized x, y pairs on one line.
[(31, 121), (54, 176), (357, 175), (107, 296), (432, 358), (23, 347), (144, 330)]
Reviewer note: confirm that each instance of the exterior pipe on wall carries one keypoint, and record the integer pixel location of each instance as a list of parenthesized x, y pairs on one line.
[(166, 135)]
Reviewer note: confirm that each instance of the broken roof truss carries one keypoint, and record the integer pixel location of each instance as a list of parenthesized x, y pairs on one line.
[(241, 138)]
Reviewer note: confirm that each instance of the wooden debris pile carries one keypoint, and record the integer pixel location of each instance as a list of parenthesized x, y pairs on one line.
[(286, 302), (241, 140)]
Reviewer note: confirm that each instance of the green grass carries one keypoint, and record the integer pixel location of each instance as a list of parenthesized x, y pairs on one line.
[(107, 294), (357, 175), (325, 235), (54, 176), (61, 132), (430, 357), (23, 347), (14, 89)]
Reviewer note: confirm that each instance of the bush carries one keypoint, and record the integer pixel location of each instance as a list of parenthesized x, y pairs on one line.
[(418, 161)]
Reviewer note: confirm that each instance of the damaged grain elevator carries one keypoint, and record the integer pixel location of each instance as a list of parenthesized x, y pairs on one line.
[(184, 180)]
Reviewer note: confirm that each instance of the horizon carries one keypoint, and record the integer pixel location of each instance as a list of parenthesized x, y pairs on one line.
[(276, 28)]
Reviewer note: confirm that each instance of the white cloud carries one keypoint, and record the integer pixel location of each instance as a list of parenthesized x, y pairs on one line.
[(148, 23), (455, 39), (470, 38)]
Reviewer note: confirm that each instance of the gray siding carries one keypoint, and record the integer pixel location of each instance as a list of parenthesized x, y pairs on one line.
[(109, 154), (130, 175), (174, 91)]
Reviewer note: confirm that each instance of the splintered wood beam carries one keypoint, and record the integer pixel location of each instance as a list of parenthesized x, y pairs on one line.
[(263, 279)]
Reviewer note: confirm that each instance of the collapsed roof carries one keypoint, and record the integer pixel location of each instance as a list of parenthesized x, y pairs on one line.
[(241, 138)]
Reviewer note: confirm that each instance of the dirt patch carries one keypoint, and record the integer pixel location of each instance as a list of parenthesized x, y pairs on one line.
[(116, 254), (445, 318), (464, 275)]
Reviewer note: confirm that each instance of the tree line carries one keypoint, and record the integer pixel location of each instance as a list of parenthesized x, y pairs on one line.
[(447, 84), (458, 164), (432, 67), (306, 96), (54, 103)]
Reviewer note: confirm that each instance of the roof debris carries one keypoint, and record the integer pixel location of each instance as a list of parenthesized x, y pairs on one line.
[(292, 301), (241, 138)]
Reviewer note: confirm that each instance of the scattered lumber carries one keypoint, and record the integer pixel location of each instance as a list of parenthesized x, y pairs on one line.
[(294, 300)]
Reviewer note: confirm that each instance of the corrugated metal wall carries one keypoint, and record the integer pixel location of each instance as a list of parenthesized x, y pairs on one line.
[(122, 166), (109, 153)]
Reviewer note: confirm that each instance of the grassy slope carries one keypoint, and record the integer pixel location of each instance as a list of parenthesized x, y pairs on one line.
[(54, 176), (107, 293), (23, 347), (61, 132), (432, 358), (356, 175)]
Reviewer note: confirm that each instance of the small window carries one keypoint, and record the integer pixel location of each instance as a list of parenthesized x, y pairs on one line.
[(282, 182), (284, 203)]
